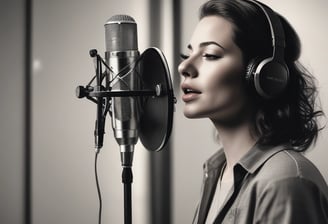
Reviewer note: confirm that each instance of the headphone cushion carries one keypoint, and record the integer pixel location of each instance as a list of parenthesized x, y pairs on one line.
[(250, 71)]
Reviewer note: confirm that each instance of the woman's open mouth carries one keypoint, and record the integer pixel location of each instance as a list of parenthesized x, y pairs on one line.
[(189, 93)]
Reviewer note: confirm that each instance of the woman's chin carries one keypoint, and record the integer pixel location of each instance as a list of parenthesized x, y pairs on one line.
[(191, 114)]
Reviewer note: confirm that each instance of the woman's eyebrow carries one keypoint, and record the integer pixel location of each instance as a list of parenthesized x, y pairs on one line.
[(203, 44), (206, 43)]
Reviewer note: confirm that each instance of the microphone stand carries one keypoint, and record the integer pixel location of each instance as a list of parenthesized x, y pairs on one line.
[(127, 178)]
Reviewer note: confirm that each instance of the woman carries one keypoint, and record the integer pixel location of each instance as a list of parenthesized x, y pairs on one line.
[(260, 175)]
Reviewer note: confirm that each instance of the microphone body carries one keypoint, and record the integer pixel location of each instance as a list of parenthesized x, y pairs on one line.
[(121, 55)]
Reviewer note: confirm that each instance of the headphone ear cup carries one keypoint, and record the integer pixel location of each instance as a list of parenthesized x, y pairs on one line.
[(267, 78)]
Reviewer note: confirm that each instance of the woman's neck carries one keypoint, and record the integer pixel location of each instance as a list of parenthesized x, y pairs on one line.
[(236, 141)]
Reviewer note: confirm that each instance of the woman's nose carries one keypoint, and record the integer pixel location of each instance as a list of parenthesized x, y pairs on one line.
[(187, 68)]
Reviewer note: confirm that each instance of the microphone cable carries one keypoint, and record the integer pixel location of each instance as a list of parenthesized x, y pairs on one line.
[(98, 187)]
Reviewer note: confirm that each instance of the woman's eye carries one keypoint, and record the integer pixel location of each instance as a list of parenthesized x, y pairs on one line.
[(184, 56), (211, 56)]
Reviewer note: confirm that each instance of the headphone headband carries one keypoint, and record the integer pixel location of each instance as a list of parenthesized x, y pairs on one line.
[(276, 29)]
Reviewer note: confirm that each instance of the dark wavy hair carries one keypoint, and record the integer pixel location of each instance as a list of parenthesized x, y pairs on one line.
[(292, 118)]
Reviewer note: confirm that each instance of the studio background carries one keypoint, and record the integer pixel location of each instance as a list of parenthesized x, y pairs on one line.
[(54, 129)]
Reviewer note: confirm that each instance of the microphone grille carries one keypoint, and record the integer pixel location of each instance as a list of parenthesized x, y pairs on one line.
[(120, 19), (121, 33)]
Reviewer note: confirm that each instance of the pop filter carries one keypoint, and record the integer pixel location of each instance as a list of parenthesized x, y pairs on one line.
[(156, 115)]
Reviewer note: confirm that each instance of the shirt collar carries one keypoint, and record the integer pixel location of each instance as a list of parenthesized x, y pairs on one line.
[(258, 155), (251, 161), (216, 161)]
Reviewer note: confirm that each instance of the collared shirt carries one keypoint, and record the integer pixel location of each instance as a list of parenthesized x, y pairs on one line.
[(271, 185)]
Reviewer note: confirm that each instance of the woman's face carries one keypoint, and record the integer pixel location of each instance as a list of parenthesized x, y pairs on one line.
[(212, 72)]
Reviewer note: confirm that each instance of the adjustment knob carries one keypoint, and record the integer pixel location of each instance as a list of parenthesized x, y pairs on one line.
[(93, 53), (80, 92)]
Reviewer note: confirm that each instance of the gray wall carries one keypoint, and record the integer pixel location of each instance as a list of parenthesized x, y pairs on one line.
[(12, 21)]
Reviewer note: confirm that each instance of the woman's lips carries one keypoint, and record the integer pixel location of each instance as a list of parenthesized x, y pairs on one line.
[(189, 97), (190, 93)]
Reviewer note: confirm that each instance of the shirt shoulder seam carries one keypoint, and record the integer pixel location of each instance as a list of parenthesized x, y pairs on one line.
[(298, 168)]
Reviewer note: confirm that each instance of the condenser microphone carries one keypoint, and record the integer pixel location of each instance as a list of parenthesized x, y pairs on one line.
[(121, 56), (138, 95)]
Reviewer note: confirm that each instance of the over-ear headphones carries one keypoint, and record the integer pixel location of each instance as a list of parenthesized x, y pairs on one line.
[(269, 76)]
